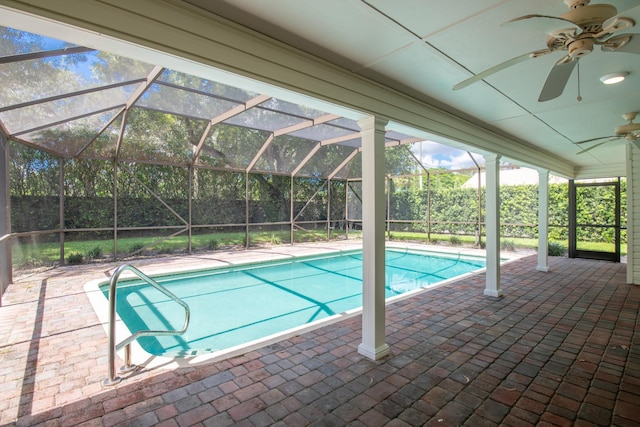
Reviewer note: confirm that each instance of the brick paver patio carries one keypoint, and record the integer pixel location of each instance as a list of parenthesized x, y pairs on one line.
[(560, 348)]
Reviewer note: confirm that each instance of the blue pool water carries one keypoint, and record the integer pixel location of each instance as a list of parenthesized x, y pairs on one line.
[(234, 305)]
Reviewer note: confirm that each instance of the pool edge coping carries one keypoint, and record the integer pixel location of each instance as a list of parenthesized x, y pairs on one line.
[(100, 306)]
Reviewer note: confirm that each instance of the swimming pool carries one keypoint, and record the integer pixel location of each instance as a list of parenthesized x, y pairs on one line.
[(235, 305)]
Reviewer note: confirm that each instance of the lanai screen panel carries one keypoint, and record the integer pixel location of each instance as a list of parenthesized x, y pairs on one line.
[(231, 147), (218, 197), (183, 102), (160, 137), (200, 85), (59, 96), (152, 195), (397, 162), (353, 169), (187, 153), (408, 206), (284, 154), (397, 158), (78, 102), (323, 132), (337, 190), (69, 137), (88, 203), (310, 197), (294, 110), (326, 160), (35, 184), (105, 145), (264, 119), (35, 205), (43, 114), (269, 198), (66, 73), (354, 201)]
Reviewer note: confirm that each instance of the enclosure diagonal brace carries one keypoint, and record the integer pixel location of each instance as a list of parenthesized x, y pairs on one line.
[(157, 197), (310, 199)]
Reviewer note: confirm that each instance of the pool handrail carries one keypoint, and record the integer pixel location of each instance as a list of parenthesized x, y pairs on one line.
[(126, 343)]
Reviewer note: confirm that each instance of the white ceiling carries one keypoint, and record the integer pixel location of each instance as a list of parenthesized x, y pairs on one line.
[(424, 47)]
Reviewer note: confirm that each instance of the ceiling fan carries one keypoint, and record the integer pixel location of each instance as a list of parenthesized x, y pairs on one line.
[(630, 132), (576, 32)]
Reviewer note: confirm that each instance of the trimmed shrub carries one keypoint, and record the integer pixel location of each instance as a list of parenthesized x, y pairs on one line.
[(95, 253), (135, 248), (455, 240), (75, 258), (507, 245), (557, 249)]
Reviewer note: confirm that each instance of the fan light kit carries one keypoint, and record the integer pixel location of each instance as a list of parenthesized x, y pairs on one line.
[(613, 78), (576, 33)]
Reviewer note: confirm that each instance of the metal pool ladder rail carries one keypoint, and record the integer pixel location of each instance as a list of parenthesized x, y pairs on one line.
[(126, 343)]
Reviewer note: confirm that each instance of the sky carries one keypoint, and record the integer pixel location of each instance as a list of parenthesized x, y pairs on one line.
[(441, 156)]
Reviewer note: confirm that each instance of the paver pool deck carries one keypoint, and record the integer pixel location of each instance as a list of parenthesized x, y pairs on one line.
[(559, 348)]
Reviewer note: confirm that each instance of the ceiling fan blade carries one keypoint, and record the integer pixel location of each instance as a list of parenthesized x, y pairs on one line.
[(502, 66), (544, 23), (595, 139), (597, 145), (557, 79), (611, 24), (630, 46)]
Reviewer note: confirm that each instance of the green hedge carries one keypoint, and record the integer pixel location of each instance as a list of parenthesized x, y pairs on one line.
[(518, 206), (449, 208)]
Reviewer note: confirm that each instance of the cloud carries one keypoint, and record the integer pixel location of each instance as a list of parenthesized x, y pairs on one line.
[(441, 156)]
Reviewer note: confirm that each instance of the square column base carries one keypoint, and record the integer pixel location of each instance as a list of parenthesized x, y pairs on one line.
[(373, 353), (493, 293)]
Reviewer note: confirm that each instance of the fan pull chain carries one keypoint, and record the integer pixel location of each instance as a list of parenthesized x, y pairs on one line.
[(579, 98)]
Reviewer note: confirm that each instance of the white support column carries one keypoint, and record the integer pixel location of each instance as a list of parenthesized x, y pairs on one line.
[(543, 220), (633, 186), (492, 220), (373, 343)]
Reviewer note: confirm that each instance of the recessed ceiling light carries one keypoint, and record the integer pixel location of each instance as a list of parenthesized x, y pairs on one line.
[(614, 78)]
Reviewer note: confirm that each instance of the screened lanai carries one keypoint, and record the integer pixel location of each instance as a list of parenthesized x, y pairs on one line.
[(104, 147), (107, 197)]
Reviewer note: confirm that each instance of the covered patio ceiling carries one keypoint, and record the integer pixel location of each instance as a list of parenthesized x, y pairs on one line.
[(426, 48)]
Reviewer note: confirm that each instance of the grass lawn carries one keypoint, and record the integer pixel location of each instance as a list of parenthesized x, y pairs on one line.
[(506, 243), (33, 254), (76, 252)]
